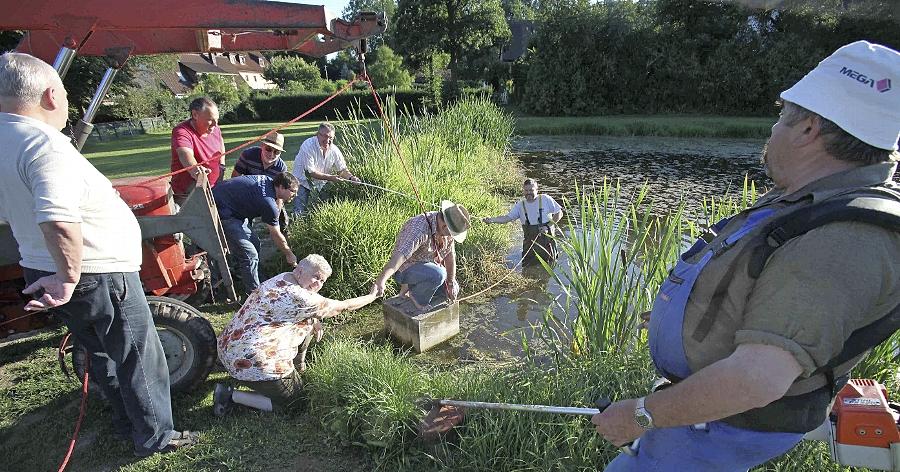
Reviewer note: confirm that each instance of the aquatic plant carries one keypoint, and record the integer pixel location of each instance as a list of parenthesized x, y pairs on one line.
[(457, 154)]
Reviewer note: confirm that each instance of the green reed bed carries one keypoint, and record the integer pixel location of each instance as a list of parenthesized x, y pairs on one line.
[(618, 261), (457, 154)]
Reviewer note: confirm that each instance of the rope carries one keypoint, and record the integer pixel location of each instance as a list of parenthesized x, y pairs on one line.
[(448, 284), (498, 282)]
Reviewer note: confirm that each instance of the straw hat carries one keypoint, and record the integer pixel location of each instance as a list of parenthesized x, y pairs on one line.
[(853, 89), (274, 141), (457, 219)]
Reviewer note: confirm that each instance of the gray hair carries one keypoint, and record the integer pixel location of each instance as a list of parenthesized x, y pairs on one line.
[(315, 262), (24, 78), (327, 127), (842, 145)]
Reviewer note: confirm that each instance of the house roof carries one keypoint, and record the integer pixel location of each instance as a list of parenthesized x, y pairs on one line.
[(250, 64), (200, 64), (171, 81)]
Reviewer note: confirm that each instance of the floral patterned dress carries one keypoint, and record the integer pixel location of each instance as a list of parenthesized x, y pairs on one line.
[(261, 340)]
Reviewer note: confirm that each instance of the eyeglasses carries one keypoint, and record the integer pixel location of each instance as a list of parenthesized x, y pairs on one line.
[(273, 151)]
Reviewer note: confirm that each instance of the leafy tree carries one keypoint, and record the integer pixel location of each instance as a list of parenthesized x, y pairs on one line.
[(461, 28), (294, 73), (343, 66), (434, 74), (387, 69), (223, 90)]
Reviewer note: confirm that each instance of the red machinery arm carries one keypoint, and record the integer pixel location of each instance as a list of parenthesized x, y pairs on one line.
[(104, 27)]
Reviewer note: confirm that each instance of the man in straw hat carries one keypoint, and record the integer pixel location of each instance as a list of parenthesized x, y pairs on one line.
[(264, 159), (754, 366), (424, 257)]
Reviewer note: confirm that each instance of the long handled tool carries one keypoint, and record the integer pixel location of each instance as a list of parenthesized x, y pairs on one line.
[(446, 414)]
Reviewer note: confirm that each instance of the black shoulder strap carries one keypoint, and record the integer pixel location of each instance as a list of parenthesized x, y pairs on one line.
[(873, 206), (870, 209)]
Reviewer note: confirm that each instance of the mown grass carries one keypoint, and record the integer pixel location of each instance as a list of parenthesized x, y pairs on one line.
[(687, 126)]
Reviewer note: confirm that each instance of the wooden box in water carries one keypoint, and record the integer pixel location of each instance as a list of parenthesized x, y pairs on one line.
[(421, 331)]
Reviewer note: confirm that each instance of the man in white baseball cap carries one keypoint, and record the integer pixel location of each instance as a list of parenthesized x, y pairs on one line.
[(753, 363)]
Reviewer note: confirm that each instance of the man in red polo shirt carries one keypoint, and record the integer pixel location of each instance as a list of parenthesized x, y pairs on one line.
[(197, 140)]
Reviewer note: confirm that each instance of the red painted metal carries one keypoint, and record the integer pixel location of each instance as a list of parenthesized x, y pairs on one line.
[(168, 26), (165, 270)]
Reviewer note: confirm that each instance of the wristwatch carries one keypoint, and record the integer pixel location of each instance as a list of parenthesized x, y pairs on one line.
[(642, 416)]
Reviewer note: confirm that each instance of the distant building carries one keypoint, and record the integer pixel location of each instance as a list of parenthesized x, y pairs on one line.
[(246, 67)]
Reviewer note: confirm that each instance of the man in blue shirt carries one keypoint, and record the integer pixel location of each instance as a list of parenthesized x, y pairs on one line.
[(239, 201), (264, 159)]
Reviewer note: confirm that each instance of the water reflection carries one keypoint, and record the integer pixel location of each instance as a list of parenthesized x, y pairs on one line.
[(673, 168)]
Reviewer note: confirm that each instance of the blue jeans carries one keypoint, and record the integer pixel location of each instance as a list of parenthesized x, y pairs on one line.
[(306, 198), (108, 315), (426, 282), (244, 245)]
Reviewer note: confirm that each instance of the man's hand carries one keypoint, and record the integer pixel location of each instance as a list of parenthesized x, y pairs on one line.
[(291, 259), (196, 171), (616, 424), (378, 288), (354, 178), (645, 320), (454, 291), (56, 292)]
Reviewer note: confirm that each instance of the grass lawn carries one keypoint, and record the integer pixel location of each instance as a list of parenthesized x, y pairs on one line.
[(40, 406), (150, 154), (687, 126)]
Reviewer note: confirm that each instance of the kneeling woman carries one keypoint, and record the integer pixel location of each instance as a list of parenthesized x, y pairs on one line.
[(260, 344)]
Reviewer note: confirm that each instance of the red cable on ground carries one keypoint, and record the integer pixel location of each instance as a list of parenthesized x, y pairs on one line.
[(84, 393)]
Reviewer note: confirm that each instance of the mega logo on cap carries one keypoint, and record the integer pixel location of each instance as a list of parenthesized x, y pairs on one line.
[(882, 85)]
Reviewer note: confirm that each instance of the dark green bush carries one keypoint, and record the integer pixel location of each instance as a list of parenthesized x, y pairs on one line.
[(283, 107)]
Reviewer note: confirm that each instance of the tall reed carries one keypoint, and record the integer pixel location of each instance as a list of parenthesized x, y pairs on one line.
[(457, 154)]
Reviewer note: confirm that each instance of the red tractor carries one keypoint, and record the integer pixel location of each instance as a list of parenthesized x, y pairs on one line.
[(174, 277)]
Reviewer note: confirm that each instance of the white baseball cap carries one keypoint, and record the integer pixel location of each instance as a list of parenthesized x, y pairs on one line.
[(853, 89)]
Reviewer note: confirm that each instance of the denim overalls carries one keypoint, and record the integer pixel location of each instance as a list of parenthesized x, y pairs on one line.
[(714, 446)]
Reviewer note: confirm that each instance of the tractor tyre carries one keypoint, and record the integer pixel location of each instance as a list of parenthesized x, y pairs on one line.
[(188, 341)]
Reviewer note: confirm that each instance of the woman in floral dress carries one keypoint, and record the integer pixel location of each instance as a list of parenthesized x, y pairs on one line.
[(262, 340)]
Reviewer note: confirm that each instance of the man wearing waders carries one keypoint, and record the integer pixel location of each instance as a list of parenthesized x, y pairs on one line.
[(748, 343), (539, 214)]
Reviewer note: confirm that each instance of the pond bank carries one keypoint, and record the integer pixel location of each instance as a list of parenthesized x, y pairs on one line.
[(685, 126)]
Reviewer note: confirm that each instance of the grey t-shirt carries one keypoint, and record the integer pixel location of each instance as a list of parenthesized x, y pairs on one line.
[(46, 179)]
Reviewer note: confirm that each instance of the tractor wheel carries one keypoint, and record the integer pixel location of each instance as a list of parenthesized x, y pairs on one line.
[(188, 341)]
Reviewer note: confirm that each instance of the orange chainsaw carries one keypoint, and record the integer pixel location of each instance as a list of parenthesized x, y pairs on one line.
[(862, 430)]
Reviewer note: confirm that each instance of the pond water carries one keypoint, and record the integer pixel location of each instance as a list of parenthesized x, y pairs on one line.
[(673, 168)]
